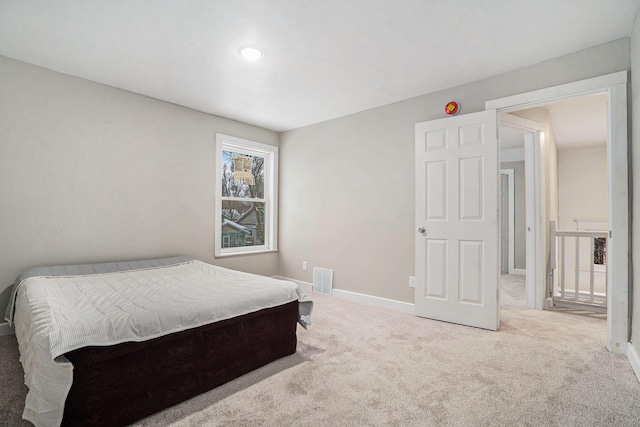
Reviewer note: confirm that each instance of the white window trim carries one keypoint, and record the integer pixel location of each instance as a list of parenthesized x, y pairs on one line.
[(270, 152)]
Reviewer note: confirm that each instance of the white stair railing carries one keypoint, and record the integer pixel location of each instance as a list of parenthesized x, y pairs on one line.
[(582, 258)]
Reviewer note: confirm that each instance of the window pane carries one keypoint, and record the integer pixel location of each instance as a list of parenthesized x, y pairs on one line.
[(242, 223), (242, 175)]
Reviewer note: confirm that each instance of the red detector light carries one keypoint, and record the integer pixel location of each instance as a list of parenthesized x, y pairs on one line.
[(452, 108)]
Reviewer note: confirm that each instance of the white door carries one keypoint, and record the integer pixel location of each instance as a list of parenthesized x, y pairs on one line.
[(457, 269)]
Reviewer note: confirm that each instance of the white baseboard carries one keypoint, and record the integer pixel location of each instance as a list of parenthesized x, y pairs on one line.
[(5, 329), (519, 272), (391, 304), (306, 286), (634, 359)]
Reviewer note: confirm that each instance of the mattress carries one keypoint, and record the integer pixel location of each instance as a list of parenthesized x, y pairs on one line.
[(57, 314)]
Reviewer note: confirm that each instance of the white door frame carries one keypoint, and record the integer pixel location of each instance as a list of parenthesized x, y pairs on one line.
[(534, 206), (512, 250), (615, 87)]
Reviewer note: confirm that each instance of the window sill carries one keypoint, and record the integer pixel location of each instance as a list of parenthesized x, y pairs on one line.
[(229, 254)]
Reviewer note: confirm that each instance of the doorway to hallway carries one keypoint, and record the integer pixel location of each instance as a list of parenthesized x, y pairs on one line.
[(574, 175)]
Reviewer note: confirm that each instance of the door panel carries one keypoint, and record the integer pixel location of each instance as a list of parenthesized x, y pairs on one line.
[(471, 271), (436, 274), (471, 189), (437, 196), (457, 260)]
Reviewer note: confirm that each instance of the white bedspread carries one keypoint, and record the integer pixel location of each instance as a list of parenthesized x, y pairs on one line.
[(55, 315)]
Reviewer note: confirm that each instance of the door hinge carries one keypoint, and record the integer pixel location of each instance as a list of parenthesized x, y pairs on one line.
[(497, 294), (610, 234)]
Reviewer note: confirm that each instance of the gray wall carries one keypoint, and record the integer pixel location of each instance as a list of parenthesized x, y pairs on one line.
[(347, 185), (519, 214), (90, 173)]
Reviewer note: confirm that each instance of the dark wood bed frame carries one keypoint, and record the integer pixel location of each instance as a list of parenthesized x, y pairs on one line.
[(117, 385)]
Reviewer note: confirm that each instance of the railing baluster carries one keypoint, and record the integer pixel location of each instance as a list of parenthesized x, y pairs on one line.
[(606, 273), (577, 285), (591, 273), (563, 267)]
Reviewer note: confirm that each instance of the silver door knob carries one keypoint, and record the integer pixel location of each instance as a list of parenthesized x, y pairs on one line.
[(421, 230)]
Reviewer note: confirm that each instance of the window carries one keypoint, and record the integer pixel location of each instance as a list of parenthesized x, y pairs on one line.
[(246, 196)]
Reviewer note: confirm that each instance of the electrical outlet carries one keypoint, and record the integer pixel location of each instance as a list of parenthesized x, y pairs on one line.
[(304, 265), (412, 281)]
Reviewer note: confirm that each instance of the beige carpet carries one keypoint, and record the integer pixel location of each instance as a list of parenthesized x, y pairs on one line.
[(359, 366)]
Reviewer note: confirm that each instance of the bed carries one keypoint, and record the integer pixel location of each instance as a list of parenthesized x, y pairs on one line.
[(111, 343)]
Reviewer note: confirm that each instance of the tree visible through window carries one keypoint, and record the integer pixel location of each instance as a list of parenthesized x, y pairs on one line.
[(246, 194)]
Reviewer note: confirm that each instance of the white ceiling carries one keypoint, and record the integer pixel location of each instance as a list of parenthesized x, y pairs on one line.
[(511, 138), (324, 59), (576, 123), (580, 122)]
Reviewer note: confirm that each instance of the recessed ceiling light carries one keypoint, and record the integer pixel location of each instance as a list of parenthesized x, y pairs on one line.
[(251, 53)]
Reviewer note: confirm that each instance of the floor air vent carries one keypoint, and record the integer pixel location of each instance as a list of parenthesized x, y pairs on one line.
[(322, 280)]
